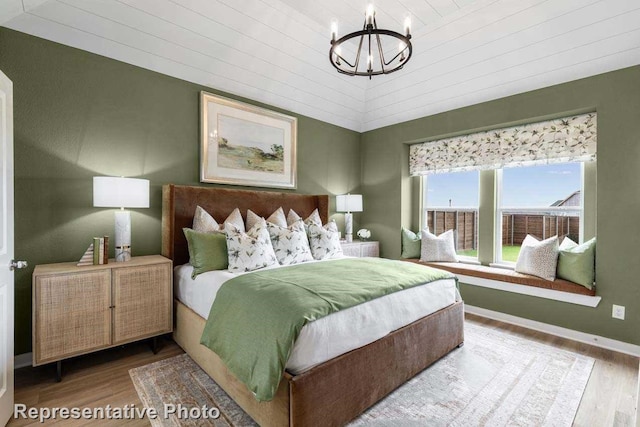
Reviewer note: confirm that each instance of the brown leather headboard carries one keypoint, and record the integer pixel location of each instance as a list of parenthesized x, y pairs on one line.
[(179, 205)]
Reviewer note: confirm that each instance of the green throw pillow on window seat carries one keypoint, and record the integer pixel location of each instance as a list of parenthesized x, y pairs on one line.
[(411, 243), (576, 263)]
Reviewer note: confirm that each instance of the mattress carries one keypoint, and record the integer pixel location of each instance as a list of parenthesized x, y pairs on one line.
[(337, 333)]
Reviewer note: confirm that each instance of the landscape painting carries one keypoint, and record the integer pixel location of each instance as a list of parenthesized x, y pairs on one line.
[(251, 146), (246, 145)]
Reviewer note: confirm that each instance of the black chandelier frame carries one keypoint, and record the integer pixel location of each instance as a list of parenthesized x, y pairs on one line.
[(370, 31)]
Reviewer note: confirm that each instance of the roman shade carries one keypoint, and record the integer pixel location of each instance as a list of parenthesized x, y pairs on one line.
[(567, 139)]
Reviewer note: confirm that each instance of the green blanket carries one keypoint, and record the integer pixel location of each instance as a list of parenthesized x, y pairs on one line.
[(256, 318)]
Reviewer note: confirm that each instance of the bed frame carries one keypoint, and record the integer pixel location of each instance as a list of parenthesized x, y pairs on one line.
[(336, 391)]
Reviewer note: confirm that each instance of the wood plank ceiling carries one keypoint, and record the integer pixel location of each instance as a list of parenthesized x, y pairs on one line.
[(276, 51)]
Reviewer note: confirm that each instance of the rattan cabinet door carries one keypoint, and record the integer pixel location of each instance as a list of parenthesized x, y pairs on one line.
[(142, 299), (72, 314)]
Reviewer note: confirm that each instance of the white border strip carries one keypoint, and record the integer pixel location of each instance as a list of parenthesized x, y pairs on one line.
[(595, 340), (578, 299), (22, 360)]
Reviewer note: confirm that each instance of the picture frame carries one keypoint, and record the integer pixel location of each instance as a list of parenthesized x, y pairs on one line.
[(242, 144)]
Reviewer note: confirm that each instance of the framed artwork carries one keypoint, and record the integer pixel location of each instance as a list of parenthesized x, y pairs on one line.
[(242, 144)]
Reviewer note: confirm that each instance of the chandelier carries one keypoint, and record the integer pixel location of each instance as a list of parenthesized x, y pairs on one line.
[(379, 44)]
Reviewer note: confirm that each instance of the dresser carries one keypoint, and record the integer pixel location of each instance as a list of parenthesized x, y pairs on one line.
[(78, 310), (360, 248)]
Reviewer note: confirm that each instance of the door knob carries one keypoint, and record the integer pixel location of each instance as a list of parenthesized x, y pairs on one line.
[(13, 265)]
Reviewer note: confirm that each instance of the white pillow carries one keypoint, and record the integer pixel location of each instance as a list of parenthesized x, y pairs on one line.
[(203, 222), (251, 250), (313, 218), (438, 248), (235, 219), (277, 218), (324, 241), (290, 243), (538, 258)]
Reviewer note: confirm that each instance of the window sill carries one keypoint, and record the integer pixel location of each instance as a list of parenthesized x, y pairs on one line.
[(504, 265), (507, 280), (468, 261)]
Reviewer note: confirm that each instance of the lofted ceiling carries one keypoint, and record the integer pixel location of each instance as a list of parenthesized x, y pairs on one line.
[(276, 51)]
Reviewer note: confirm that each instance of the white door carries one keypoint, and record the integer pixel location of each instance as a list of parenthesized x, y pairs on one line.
[(6, 249)]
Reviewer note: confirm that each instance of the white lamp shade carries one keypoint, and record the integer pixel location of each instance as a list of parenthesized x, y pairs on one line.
[(349, 203), (117, 192)]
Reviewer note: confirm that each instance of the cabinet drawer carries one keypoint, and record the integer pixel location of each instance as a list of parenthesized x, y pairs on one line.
[(142, 298), (72, 314)]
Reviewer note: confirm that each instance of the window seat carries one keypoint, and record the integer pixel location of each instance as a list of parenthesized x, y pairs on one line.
[(509, 276)]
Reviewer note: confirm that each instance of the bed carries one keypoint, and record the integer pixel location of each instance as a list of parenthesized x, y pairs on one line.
[(331, 392)]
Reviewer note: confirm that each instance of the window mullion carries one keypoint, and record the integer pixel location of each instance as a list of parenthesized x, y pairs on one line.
[(486, 214)]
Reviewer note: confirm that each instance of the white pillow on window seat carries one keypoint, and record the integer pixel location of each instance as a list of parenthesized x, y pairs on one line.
[(438, 248), (538, 258)]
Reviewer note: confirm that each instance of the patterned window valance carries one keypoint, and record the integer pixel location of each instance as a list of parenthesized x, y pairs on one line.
[(567, 139)]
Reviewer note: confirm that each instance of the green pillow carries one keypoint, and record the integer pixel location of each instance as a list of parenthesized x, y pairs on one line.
[(207, 251), (577, 264), (411, 243)]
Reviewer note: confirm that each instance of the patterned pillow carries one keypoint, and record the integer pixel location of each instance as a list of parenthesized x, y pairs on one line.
[(277, 218), (251, 250), (290, 243), (203, 222), (324, 241), (438, 248), (538, 258), (313, 218)]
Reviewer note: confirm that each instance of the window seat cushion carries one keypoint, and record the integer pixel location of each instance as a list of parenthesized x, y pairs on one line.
[(506, 275)]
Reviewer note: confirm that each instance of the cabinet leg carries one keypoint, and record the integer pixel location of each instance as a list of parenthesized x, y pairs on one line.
[(155, 345), (59, 371)]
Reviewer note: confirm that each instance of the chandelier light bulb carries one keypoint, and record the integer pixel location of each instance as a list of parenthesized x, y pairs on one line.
[(370, 61), (334, 30), (407, 25), (370, 14)]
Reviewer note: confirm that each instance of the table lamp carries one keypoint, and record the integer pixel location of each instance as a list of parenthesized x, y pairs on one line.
[(120, 192), (349, 203)]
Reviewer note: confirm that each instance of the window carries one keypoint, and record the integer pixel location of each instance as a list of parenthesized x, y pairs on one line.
[(450, 202), (543, 201)]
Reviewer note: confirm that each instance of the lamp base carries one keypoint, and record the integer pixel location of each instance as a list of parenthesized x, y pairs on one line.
[(123, 236), (123, 253), (348, 227)]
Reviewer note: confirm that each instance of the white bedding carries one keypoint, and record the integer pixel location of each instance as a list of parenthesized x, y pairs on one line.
[(339, 332)]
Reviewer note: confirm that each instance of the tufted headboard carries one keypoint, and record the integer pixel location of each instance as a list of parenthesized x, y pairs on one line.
[(179, 205)]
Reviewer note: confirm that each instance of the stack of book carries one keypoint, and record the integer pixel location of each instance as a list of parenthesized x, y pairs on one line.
[(98, 252)]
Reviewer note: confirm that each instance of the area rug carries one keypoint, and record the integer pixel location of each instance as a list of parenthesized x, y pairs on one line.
[(496, 379)]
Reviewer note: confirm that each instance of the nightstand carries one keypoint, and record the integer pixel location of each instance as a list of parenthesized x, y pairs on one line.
[(361, 249), (79, 310)]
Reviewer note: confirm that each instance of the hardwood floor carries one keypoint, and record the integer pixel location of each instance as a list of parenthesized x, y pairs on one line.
[(94, 380), (103, 379)]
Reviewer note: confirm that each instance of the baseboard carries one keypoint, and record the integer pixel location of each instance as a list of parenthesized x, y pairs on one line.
[(595, 340), (22, 360)]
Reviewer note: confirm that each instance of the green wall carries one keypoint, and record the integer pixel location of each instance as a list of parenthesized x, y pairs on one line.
[(78, 115), (387, 189)]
